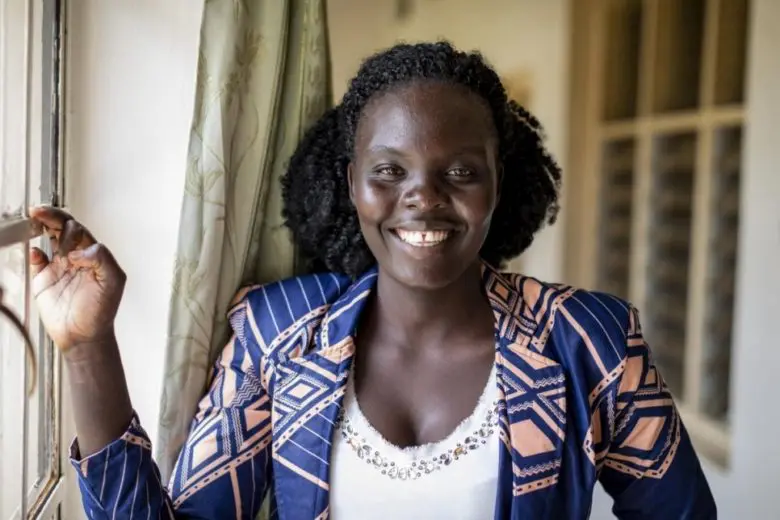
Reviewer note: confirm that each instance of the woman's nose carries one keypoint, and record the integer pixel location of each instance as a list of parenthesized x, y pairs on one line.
[(425, 195)]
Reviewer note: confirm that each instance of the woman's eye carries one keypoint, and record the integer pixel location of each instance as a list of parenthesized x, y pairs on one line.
[(460, 172), (389, 171)]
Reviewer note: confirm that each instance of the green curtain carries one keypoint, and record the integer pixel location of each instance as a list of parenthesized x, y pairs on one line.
[(263, 78)]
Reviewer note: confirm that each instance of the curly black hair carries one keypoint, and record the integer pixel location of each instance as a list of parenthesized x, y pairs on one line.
[(317, 207)]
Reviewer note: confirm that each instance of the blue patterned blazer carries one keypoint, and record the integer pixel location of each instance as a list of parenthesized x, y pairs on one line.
[(581, 403)]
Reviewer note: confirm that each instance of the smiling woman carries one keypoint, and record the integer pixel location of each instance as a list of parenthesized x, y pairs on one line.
[(425, 188), (505, 138), (412, 378)]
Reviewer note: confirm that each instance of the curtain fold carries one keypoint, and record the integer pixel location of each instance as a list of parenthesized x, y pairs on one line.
[(263, 78)]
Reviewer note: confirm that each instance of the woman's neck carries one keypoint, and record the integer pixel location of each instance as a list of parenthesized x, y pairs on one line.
[(419, 317)]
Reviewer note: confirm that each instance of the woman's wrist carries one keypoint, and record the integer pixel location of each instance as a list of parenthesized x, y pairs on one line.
[(97, 349), (101, 403)]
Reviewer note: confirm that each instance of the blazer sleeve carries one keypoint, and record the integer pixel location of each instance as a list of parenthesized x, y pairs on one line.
[(223, 469), (651, 469)]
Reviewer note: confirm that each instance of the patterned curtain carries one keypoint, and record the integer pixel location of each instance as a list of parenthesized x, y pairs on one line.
[(263, 78)]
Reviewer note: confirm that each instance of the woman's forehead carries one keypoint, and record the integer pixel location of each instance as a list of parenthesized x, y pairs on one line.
[(428, 112)]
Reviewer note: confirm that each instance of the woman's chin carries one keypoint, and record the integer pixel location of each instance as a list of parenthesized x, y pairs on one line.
[(433, 272)]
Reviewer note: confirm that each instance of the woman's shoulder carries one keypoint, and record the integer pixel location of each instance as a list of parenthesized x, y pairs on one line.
[(554, 295), (310, 289), (590, 334), (597, 317), (278, 308)]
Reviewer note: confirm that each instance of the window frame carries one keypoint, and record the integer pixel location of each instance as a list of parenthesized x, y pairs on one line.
[(43, 495), (591, 131)]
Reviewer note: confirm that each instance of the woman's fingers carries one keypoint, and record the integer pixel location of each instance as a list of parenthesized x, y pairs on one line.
[(70, 239), (51, 217), (38, 261), (99, 259), (74, 236), (42, 277), (65, 233)]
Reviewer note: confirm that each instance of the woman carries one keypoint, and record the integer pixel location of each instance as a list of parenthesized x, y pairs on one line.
[(481, 394)]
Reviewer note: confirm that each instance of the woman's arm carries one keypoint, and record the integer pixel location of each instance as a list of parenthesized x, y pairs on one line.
[(98, 393), (223, 469), (651, 469), (222, 472)]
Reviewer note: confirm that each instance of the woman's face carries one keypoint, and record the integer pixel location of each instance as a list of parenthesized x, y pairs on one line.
[(424, 181)]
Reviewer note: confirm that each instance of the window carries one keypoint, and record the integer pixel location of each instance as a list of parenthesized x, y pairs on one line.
[(658, 106), (30, 73)]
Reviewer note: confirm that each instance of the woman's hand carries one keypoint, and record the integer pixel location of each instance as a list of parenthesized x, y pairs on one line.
[(78, 290)]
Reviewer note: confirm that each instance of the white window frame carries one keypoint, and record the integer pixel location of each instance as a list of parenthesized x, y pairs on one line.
[(588, 134), (45, 493)]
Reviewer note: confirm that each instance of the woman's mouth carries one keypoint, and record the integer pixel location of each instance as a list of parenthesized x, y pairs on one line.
[(423, 238)]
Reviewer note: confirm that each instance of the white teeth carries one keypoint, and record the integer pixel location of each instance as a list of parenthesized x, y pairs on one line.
[(423, 238)]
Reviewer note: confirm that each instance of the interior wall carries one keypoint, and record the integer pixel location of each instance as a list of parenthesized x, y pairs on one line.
[(130, 90), (525, 39), (750, 489)]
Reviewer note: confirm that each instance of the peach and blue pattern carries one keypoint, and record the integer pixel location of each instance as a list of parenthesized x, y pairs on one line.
[(581, 402)]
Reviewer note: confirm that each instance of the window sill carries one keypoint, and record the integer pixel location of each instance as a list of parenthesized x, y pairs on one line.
[(18, 230)]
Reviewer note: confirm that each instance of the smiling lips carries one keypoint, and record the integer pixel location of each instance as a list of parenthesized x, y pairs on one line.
[(423, 238)]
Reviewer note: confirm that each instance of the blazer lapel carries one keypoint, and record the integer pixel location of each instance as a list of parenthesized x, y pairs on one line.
[(309, 390), (307, 400), (533, 399)]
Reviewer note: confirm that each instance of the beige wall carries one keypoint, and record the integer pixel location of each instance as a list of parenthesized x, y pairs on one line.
[(521, 38), (751, 488), (131, 85)]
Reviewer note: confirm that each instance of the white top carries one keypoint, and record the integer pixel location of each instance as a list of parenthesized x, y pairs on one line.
[(454, 479)]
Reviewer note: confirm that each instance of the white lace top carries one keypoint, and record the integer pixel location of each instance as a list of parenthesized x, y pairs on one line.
[(454, 479)]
